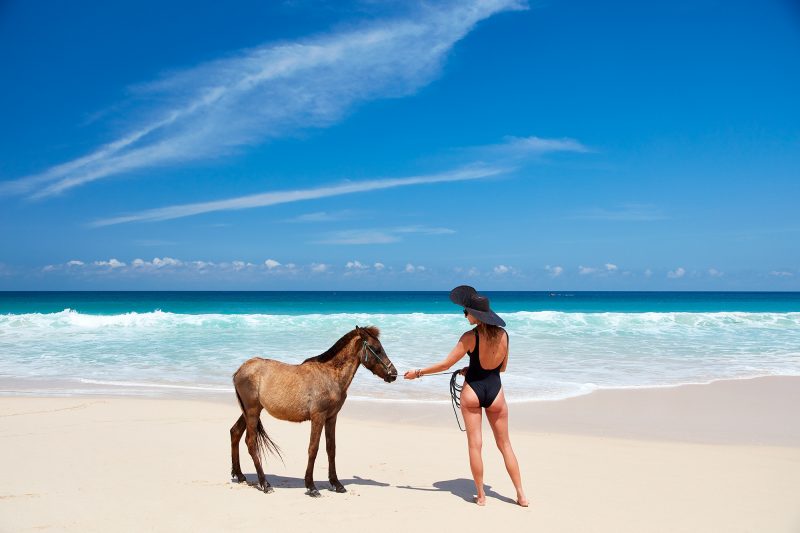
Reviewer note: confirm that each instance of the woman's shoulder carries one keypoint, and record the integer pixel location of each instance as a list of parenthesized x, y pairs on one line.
[(468, 339)]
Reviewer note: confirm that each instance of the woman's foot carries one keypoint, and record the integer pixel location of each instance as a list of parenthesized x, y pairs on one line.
[(480, 500), (522, 501)]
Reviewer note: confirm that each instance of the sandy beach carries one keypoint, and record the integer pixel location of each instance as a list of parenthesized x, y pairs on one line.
[(717, 457)]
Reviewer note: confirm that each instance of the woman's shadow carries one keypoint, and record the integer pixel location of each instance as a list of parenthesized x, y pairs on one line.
[(461, 487)]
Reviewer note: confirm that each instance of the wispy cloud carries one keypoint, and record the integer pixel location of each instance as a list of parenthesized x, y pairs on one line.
[(273, 90), (322, 216), (529, 147), (379, 235), (282, 197)]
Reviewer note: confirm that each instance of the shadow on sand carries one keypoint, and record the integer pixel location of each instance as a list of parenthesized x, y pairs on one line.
[(461, 487), (283, 482)]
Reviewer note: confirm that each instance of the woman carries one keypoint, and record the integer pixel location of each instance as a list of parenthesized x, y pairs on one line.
[(487, 346)]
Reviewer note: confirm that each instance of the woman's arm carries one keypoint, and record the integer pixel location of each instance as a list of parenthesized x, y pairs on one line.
[(459, 351)]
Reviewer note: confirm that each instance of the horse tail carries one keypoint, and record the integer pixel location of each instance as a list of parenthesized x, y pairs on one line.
[(266, 444), (263, 442)]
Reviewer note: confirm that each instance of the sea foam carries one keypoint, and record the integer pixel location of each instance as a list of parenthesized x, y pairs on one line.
[(553, 354)]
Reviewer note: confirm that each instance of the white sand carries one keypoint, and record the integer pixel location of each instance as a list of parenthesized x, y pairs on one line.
[(721, 457)]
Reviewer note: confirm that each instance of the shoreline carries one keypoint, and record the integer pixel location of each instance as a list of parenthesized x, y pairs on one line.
[(61, 388), (724, 411)]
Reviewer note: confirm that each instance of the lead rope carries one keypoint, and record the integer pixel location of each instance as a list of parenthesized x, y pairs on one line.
[(455, 396), (455, 393)]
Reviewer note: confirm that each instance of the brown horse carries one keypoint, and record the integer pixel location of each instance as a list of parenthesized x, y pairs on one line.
[(313, 390)]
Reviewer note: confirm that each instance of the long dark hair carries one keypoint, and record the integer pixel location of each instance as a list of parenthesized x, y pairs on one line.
[(489, 331)]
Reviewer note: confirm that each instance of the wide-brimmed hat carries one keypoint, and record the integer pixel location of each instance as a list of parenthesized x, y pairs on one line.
[(476, 304)]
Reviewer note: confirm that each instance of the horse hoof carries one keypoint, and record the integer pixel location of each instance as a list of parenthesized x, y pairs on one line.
[(314, 493), (238, 479), (340, 489), (268, 489)]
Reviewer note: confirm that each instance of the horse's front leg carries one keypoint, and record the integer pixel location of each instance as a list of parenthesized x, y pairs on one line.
[(330, 446), (317, 422)]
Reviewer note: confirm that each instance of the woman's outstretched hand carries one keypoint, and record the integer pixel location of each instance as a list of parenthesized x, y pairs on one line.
[(411, 374)]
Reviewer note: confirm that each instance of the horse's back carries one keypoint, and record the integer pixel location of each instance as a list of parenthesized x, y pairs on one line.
[(280, 388)]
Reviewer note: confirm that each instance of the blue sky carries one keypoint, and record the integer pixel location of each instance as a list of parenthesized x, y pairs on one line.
[(397, 145)]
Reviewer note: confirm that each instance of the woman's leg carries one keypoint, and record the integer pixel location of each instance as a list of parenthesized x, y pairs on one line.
[(471, 411), (497, 414)]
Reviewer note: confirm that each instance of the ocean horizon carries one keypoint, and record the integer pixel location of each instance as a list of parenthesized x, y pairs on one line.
[(562, 343)]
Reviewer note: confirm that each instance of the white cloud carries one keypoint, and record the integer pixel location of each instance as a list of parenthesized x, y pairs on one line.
[(583, 271), (610, 267), (502, 269), (554, 271), (282, 197), (714, 273), (271, 264), (356, 265), (648, 273), (319, 267), (49, 268), (242, 265), (274, 90), (202, 265), (111, 263), (156, 263), (677, 273), (781, 274), (75, 263), (379, 266), (411, 269), (166, 262)]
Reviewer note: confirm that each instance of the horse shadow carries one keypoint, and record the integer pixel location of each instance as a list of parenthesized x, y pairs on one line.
[(285, 482), (461, 487)]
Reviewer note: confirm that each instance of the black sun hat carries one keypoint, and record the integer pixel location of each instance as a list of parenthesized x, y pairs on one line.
[(477, 305)]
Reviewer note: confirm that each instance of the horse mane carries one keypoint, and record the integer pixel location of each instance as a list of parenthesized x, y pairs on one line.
[(331, 352)]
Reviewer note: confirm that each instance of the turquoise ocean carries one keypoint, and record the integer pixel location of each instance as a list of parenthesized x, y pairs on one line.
[(563, 344)]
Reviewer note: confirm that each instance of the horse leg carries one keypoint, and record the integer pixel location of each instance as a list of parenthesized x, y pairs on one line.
[(317, 422), (251, 417), (237, 430), (330, 446)]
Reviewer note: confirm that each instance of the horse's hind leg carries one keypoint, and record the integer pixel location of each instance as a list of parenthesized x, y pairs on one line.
[(317, 422), (330, 446), (251, 418), (237, 430)]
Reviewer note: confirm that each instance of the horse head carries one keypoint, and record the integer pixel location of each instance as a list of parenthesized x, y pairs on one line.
[(373, 356)]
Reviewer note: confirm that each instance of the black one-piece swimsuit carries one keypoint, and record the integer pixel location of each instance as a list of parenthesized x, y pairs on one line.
[(485, 383)]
